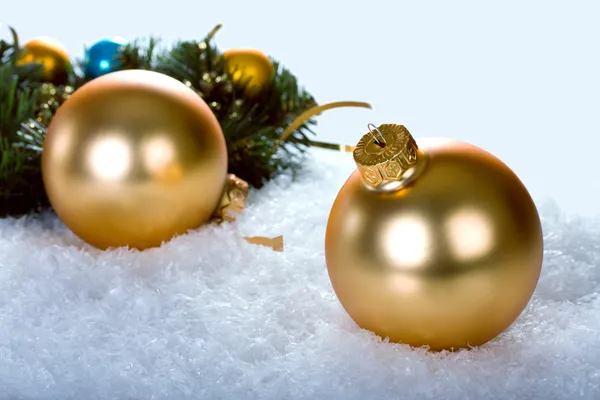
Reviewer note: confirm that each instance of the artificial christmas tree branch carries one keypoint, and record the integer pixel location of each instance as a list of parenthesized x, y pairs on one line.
[(21, 188), (252, 124)]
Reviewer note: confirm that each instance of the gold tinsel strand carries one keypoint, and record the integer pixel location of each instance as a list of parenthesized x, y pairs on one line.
[(50, 99)]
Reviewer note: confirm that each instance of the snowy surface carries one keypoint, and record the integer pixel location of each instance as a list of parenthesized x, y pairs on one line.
[(208, 316)]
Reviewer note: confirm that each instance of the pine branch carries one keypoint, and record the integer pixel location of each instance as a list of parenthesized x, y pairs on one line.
[(252, 124), (137, 55), (255, 129), (21, 186), (21, 137)]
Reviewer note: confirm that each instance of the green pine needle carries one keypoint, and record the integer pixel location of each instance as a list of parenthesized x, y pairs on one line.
[(251, 125)]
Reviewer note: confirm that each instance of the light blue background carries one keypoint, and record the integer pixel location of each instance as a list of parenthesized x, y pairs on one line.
[(519, 78)]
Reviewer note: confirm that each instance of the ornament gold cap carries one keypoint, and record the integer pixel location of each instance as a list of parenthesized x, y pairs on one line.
[(385, 154)]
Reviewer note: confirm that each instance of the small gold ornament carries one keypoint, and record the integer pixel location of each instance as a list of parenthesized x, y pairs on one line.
[(233, 199), (437, 244), (51, 54), (249, 66), (133, 158)]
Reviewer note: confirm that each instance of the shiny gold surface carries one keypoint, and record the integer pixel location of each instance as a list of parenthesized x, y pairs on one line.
[(385, 154), (448, 260), (51, 54), (133, 158), (249, 65), (233, 199)]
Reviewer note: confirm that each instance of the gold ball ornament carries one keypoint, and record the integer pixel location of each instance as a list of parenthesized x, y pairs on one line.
[(51, 54), (437, 244), (133, 158), (249, 66)]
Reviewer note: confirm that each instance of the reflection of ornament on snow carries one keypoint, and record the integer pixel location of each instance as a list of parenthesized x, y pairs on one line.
[(436, 245)]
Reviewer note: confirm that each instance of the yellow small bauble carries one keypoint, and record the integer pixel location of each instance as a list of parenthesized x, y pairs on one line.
[(51, 54), (133, 158), (436, 245), (249, 66)]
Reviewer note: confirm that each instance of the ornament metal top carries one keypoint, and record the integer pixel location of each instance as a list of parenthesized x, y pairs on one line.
[(437, 244), (388, 157)]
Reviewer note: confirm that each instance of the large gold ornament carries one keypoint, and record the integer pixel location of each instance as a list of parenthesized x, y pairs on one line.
[(134, 158), (435, 245), (51, 54), (250, 67)]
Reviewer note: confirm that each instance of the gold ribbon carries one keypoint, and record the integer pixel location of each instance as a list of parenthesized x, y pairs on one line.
[(316, 110), (344, 148), (306, 115), (275, 243)]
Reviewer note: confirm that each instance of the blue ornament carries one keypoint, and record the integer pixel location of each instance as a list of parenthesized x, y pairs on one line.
[(101, 57)]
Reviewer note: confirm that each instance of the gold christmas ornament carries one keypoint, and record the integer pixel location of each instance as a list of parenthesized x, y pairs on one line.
[(133, 158), (249, 66), (51, 54), (437, 244)]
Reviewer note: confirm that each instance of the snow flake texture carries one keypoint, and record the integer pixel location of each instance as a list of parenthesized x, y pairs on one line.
[(208, 316)]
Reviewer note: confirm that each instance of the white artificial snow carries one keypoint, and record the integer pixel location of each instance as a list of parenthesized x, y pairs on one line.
[(208, 316)]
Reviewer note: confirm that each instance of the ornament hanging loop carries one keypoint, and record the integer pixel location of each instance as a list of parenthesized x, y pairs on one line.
[(380, 143), (388, 157)]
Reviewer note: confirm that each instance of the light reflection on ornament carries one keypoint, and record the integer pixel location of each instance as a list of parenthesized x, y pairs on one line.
[(470, 234), (110, 157), (408, 241)]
